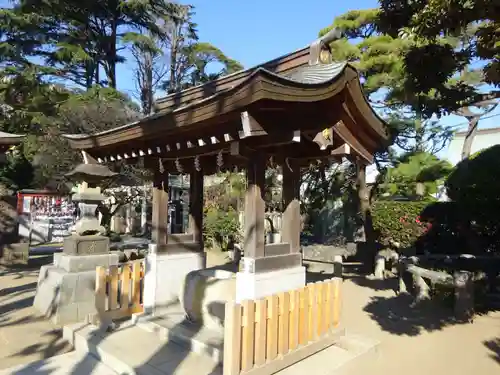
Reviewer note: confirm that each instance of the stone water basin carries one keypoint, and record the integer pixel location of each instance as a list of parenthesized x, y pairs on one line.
[(204, 295)]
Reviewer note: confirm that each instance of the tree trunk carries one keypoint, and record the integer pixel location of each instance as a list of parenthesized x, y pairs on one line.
[(364, 203), (469, 137), (111, 58)]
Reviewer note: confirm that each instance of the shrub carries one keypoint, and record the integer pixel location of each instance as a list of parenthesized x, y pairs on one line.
[(220, 227), (444, 235), (474, 186), (398, 221)]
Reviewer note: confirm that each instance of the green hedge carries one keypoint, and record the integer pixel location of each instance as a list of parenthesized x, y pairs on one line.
[(474, 186), (398, 221)]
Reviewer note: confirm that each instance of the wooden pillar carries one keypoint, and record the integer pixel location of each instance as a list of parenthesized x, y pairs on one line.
[(253, 243), (159, 232), (196, 206), (290, 226)]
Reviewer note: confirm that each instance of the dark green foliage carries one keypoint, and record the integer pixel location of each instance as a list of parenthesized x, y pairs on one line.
[(474, 186), (448, 39), (16, 172), (444, 235), (398, 221), (412, 169)]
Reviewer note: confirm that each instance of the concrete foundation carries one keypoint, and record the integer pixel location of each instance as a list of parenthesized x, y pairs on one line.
[(66, 289), (251, 285), (165, 275)]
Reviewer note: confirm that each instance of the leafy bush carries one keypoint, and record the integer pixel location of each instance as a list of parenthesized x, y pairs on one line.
[(220, 227), (474, 186), (398, 221)]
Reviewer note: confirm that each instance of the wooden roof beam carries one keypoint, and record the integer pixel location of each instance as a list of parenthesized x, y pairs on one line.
[(348, 137), (251, 127), (343, 150)]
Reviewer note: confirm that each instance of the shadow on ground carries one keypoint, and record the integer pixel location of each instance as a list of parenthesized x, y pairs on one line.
[(494, 347), (396, 315), (374, 284), (27, 271), (29, 336)]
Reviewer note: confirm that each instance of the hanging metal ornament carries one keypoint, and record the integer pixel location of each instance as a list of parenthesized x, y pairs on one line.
[(197, 165), (162, 169), (178, 166), (271, 162), (220, 160)]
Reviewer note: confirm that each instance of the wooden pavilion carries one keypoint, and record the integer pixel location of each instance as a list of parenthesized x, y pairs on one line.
[(294, 109)]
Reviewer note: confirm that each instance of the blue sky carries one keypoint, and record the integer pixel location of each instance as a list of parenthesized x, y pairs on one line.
[(257, 31)]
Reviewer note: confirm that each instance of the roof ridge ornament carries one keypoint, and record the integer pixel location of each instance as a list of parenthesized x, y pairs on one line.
[(319, 50)]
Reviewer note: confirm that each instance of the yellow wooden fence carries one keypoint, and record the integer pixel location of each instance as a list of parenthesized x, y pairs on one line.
[(118, 290), (264, 336)]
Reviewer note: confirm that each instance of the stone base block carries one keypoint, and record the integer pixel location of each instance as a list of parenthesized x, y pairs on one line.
[(80, 263), (258, 285), (66, 289), (14, 254), (65, 297), (165, 275)]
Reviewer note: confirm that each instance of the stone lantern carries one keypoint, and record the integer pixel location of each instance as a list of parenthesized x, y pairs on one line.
[(65, 290), (88, 237)]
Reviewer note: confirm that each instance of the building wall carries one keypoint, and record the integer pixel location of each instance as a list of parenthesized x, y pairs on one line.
[(484, 138)]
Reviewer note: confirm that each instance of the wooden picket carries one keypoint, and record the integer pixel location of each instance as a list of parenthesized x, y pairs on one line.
[(118, 291), (264, 336)]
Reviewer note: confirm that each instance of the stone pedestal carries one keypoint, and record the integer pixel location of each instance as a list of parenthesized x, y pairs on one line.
[(66, 289), (165, 276), (256, 285)]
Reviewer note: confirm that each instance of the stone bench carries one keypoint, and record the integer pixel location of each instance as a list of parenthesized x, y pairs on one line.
[(461, 281)]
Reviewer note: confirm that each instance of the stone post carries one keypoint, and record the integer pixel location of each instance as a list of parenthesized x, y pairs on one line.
[(464, 295)]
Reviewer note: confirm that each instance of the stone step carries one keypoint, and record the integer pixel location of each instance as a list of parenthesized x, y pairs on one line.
[(75, 363), (131, 350), (351, 355), (325, 362), (196, 338), (364, 354)]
